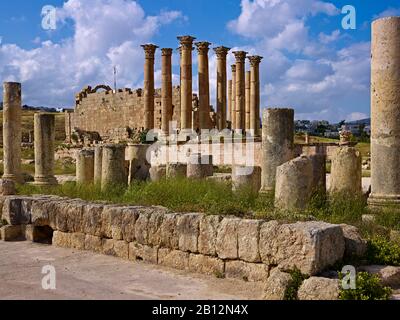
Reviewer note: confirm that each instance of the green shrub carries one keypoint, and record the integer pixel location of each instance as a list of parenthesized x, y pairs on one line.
[(368, 287), (382, 251), (297, 280)]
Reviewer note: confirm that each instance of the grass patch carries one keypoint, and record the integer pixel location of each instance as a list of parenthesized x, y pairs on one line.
[(297, 280), (383, 252), (368, 287)]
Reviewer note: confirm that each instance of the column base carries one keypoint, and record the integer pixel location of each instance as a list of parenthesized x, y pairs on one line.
[(45, 181), (265, 190), (13, 177), (379, 202)]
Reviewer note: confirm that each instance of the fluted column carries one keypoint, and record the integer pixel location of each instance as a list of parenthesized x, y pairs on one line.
[(229, 111), (186, 49), (150, 51), (221, 53), (240, 89), (255, 94), (166, 91), (233, 102), (204, 84), (247, 114), (12, 134)]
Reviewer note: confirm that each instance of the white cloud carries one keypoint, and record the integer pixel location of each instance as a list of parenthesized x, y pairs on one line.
[(327, 38), (302, 69), (389, 12), (106, 33), (356, 116)]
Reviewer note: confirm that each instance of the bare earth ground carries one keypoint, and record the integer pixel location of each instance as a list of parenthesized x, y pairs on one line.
[(85, 276)]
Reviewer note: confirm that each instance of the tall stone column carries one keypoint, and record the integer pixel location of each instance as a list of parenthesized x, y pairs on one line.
[(385, 113), (240, 89), (166, 91), (12, 134), (221, 53), (248, 77), (277, 144), (85, 166), (186, 49), (204, 84), (113, 166), (229, 111), (255, 94), (233, 102), (98, 162), (44, 149), (150, 50)]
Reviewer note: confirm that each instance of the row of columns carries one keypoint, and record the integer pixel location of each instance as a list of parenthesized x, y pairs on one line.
[(244, 94), (237, 109)]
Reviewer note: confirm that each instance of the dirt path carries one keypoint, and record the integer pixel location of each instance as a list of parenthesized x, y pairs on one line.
[(85, 275)]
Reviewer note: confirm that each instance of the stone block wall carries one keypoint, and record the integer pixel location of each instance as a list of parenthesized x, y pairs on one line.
[(105, 111), (215, 245)]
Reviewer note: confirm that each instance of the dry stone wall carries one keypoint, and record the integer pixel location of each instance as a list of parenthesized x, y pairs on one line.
[(216, 245)]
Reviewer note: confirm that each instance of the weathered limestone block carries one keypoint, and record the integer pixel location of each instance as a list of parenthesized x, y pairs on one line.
[(294, 184), (176, 170), (246, 177), (78, 241), (308, 246), (248, 239), (316, 288), (208, 234), (207, 265), (115, 248), (129, 218), (355, 245), (7, 187), (188, 229), (169, 231), (227, 239), (246, 271), (62, 239), (155, 222), (93, 243), (111, 222), (14, 213), (143, 253), (92, 219), (44, 213), (12, 233), (277, 285), (389, 275), (142, 228), (158, 173), (70, 216), (346, 171), (200, 167), (173, 259)]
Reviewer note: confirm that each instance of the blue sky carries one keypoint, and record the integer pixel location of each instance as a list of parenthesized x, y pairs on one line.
[(310, 62)]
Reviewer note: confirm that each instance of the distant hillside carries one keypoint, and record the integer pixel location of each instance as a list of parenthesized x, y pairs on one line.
[(366, 122), (30, 108)]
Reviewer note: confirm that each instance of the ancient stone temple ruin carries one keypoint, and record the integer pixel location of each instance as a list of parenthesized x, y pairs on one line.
[(114, 115)]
